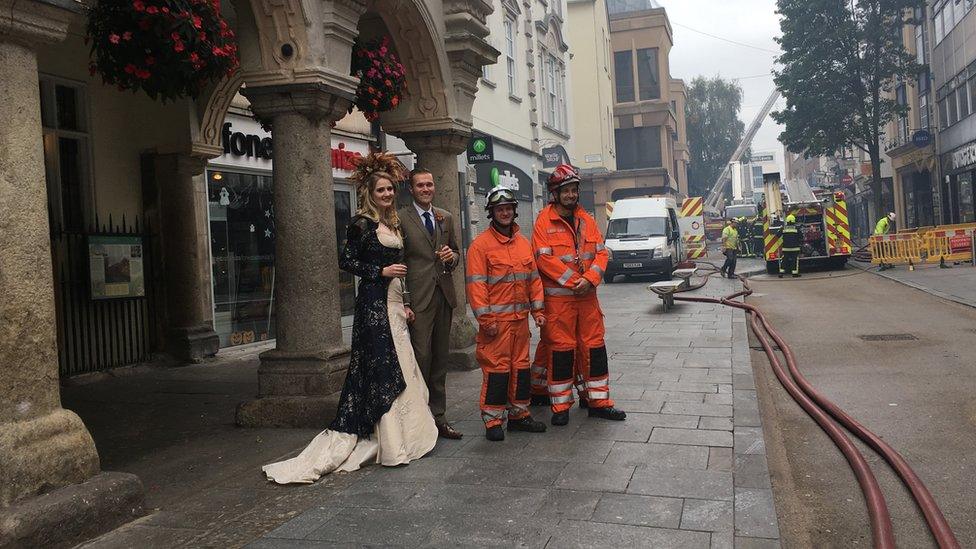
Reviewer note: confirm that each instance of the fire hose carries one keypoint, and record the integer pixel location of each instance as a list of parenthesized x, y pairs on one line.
[(827, 415)]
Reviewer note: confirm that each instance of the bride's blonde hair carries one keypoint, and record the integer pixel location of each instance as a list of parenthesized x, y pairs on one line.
[(370, 170)]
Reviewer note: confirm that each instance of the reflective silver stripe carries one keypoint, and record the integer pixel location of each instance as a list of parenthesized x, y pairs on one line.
[(511, 277), (557, 291), (587, 255), (598, 395), (596, 268), (562, 399), (560, 387), (566, 276), (601, 247), (543, 251), (538, 369), (509, 308), (517, 408), (567, 258), (477, 278), (533, 275), (492, 414), (538, 383), (596, 384), (482, 311), (536, 305)]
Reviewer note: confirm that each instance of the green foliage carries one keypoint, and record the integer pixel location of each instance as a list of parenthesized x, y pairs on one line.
[(840, 64), (714, 129)]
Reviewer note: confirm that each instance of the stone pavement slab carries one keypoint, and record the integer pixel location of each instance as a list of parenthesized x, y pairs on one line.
[(957, 283)]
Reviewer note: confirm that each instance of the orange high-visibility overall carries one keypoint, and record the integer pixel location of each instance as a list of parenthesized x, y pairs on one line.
[(574, 332), (540, 365), (503, 287)]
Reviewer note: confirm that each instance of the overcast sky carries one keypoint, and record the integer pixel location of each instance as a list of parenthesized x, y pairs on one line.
[(750, 22)]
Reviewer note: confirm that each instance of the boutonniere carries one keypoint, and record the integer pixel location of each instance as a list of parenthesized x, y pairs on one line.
[(439, 217)]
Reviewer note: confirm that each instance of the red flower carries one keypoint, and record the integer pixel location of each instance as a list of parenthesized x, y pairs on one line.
[(164, 9), (130, 68), (178, 46), (194, 58), (375, 103), (152, 10), (142, 74), (175, 36), (197, 22), (395, 101), (387, 83), (202, 36), (127, 35), (113, 38), (139, 5), (218, 52)]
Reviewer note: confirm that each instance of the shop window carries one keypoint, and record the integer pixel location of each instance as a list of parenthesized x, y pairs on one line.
[(648, 77), (242, 242), (966, 213), (67, 161), (623, 67)]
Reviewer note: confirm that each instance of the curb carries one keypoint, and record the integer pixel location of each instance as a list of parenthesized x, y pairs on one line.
[(915, 285)]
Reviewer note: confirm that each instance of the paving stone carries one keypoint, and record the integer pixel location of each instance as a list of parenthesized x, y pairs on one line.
[(532, 474), (708, 515), (626, 392), (640, 406), (674, 396), (722, 540), (277, 543), (658, 455), (755, 513), (681, 483), (697, 437), (305, 523), (595, 477), (744, 381), (636, 428), (639, 510), (401, 527), (715, 423), (567, 449), (746, 418), (689, 387), (481, 447), (428, 469), (572, 534), (755, 543), (569, 504), (447, 499), (691, 409), (720, 459), (723, 399), (750, 471), (509, 528), (749, 440)]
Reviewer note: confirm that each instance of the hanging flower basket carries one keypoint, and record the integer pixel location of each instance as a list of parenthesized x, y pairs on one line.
[(382, 79), (167, 48)]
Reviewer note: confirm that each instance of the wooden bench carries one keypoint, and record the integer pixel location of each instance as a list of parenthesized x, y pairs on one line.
[(666, 290)]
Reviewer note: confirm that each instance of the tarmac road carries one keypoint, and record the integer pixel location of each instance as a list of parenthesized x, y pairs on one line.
[(918, 395)]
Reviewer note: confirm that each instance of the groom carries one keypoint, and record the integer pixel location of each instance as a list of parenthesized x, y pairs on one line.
[(431, 254)]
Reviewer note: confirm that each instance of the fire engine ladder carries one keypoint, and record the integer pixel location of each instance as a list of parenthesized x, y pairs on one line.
[(715, 195)]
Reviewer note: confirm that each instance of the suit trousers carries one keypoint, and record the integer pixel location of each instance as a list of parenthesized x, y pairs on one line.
[(430, 335)]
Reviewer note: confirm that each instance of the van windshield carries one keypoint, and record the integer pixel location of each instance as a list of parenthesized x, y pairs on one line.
[(637, 227)]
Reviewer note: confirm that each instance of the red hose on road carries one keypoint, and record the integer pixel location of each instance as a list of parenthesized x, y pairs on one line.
[(818, 407)]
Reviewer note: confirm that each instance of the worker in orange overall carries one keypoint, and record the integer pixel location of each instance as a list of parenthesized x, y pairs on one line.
[(540, 386), (503, 288), (572, 258)]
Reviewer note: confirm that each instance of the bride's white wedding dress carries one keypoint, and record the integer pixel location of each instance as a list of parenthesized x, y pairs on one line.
[(405, 433)]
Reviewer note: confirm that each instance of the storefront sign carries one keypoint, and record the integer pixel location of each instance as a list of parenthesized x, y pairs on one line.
[(554, 156), (922, 138), (763, 158), (241, 144), (343, 159), (963, 157), (480, 149), (505, 174), (115, 267)]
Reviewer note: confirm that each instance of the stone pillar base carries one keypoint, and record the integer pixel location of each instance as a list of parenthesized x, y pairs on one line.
[(463, 360), (193, 344), (45, 452), (296, 389), (71, 515)]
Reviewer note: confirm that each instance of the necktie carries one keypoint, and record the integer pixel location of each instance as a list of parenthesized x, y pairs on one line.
[(429, 223)]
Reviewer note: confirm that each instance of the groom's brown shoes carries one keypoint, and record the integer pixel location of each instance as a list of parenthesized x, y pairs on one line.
[(446, 431)]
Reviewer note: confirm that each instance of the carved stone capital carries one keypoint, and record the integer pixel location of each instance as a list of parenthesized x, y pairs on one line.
[(182, 164), (453, 141), (316, 101), (31, 21)]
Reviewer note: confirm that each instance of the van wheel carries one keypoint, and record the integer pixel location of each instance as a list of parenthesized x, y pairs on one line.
[(608, 278)]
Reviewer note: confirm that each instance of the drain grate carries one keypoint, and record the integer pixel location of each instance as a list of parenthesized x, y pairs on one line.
[(888, 337)]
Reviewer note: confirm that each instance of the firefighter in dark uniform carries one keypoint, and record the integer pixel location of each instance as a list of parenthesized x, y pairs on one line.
[(758, 233), (745, 236), (791, 247)]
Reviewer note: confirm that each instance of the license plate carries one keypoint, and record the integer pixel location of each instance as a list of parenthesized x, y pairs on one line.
[(633, 265)]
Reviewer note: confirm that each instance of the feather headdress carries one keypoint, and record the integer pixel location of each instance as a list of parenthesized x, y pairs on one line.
[(377, 162)]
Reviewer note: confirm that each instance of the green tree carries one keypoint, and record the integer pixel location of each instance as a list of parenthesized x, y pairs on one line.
[(714, 129), (840, 63)]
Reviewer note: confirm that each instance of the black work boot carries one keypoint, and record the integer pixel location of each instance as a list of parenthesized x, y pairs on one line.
[(610, 413), (584, 404), (780, 275), (540, 400), (796, 275), (526, 424), (495, 434), (561, 418)]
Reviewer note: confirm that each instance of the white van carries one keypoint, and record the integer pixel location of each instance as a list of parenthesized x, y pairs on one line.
[(643, 237)]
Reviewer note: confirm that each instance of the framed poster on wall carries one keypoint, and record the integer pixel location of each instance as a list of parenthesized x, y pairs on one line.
[(115, 265)]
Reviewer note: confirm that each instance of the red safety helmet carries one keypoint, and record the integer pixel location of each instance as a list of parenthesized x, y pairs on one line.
[(563, 175)]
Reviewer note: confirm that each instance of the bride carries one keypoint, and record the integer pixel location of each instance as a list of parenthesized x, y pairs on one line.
[(383, 415)]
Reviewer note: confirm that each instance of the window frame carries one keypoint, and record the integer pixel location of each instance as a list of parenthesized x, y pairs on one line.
[(618, 74), (511, 54), (655, 73)]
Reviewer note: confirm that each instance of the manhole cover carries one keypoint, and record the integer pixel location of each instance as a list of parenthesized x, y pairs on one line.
[(888, 337)]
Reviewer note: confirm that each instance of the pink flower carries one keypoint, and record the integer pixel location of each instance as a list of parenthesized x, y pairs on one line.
[(113, 38), (127, 35), (194, 58), (175, 36), (164, 9), (143, 74), (130, 68), (202, 36), (152, 10), (178, 46), (218, 51), (197, 22), (139, 5)]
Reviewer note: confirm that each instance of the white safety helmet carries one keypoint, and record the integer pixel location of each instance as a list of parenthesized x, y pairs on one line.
[(891, 216)]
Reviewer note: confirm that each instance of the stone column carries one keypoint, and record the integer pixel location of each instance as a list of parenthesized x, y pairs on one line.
[(43, 447), (182, 198), (299, 380), (438, 151)]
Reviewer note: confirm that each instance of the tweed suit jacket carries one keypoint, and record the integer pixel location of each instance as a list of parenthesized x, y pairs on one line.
[(424, 271)]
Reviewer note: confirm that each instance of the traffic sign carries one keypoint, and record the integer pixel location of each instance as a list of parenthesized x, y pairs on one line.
[(846, 179)]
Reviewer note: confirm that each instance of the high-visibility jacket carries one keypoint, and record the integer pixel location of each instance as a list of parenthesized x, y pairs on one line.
[(730, 238), (882, 226), (791, 238), (502, 281), (565, 254)]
